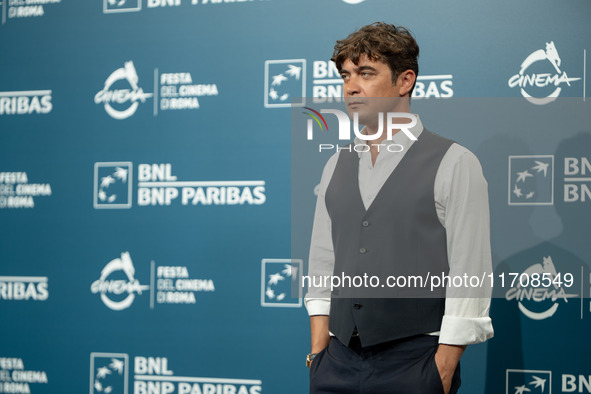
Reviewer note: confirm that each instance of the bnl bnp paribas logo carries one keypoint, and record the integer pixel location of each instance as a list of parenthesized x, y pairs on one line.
[(157, 186), (285, 83), (114, 6), (527, 381), (26, 102), (540, 79), (531, 180), (522, 381), (24, 288), (109, 373), (281, 283), (112, 185)]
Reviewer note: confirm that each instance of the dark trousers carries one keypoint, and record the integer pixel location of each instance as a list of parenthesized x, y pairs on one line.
[(400, 367)]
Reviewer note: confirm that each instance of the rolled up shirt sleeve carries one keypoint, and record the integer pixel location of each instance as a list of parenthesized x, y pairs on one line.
[(321, 258), (461, 197)]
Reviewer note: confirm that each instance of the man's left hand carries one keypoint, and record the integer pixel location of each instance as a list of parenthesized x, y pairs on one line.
[(446, 359)]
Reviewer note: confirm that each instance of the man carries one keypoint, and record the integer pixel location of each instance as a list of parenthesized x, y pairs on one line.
[(394, 211)]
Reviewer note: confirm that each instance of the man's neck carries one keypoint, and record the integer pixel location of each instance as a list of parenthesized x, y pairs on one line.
[(403, 107), (371, 129)]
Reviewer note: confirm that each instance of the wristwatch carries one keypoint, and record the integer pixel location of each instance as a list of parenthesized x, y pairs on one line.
[(309, 359)]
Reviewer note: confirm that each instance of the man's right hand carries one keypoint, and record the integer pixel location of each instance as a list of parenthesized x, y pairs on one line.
[(319, 332)]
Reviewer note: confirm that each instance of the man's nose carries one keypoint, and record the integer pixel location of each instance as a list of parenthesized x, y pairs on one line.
[(352, 86)]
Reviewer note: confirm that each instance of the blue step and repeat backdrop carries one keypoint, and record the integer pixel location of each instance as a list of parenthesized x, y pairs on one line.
[(146, 196)]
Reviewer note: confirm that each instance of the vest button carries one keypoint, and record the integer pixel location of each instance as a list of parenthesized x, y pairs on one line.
[(365, 223), (357, 306), (362, 250)]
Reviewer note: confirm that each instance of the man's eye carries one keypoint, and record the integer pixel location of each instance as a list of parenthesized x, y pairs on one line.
[(344, 76)]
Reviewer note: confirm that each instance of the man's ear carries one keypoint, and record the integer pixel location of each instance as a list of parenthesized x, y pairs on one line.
[(406, 81)]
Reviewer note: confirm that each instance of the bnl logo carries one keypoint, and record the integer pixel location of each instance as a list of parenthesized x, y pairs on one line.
[(531, 180), (112, 185), (522, 381), (281, 283), (109, 373), (112, 6), (285, 83)]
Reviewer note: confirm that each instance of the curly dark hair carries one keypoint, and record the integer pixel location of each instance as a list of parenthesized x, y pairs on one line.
[(382, 42)]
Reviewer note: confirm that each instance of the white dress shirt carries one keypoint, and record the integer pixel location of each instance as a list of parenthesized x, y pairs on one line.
[(461, 201)]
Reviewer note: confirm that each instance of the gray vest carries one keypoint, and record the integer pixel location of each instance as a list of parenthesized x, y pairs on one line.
[(399, 234)]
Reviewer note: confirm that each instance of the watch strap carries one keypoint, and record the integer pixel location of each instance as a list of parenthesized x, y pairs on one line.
[(309, 358)]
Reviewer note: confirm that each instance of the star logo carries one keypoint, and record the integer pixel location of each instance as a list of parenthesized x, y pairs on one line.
[(112, 185), (280, 283), (521, 389), (285, 83), (531, 180), (109, 373), (519, 381), (116, 6)]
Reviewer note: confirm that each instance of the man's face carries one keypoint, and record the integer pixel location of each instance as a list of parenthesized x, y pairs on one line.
[(368, 89)]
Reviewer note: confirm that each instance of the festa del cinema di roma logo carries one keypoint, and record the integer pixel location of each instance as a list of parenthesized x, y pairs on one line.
[(538, 81), (118, 294), (121, 101), (540, 302)]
